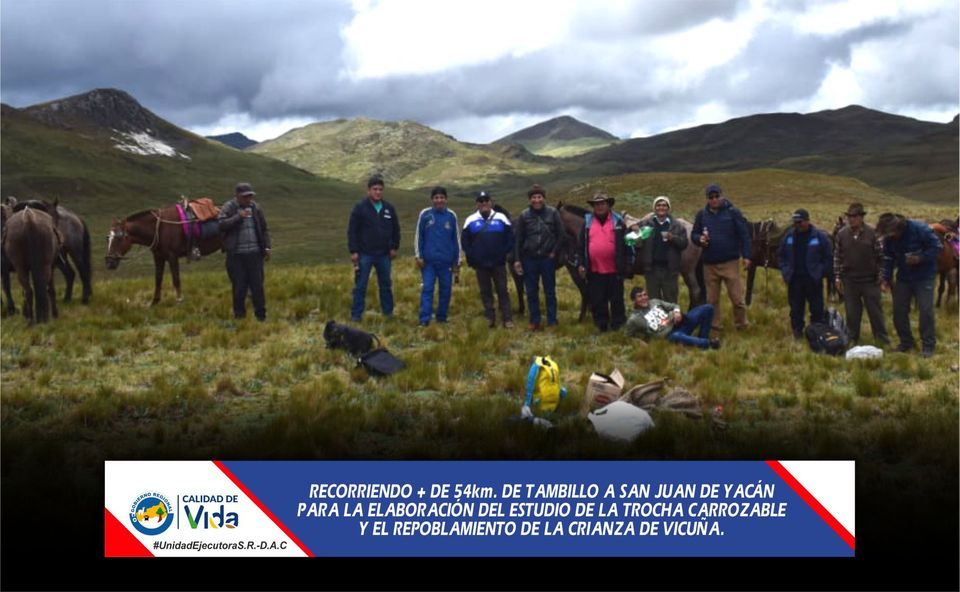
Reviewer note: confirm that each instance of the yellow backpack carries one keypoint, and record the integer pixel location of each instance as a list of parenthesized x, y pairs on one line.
[(543, 384)]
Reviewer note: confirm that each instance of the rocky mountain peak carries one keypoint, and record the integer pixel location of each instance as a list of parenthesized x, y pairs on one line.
[(102, 107)]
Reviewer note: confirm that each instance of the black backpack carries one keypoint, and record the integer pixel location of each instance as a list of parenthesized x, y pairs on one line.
[(824, 338)]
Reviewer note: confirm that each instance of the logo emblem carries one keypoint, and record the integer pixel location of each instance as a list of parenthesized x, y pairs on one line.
[(151, 513)]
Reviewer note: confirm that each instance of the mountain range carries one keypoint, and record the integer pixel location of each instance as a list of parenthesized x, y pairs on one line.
[(106, 147), (407, 154)]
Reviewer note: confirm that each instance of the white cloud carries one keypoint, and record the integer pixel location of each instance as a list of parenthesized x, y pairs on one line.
[(835, 17), (397, 37)]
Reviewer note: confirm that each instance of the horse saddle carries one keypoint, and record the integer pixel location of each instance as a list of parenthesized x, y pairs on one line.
[(203, 208)]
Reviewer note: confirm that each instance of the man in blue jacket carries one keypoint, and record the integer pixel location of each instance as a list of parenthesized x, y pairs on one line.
[(487, 239), (806, 256), (437, 249), (721, 231), (913, 248), (373, 237)]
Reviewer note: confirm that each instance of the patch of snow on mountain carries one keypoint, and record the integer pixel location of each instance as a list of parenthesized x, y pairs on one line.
[(144, 143)]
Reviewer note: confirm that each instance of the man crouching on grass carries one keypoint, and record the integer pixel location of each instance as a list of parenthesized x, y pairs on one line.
[(652, 317)]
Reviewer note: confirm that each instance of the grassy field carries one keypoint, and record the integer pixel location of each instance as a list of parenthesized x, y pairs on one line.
[(119, 380)]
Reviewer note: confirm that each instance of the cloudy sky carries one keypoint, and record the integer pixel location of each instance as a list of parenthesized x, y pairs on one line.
[(479, 70)]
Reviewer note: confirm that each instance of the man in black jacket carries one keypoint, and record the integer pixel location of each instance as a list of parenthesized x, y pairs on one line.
[(373, 237), (246, 240), (539, 232)]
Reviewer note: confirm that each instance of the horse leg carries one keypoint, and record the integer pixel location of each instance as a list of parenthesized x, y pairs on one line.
[(52, 295), (68, 274), (158, 263), (11, 306), (23, 276), (518, 283), (175, 275), (943, 284), (751, 276)]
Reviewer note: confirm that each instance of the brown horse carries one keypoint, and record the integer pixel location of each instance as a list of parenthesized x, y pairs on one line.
[(31, 244), (165, 233), (947, 261), (75, 246)]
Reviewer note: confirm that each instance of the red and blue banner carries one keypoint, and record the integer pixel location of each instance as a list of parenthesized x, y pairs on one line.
[(480, 508)]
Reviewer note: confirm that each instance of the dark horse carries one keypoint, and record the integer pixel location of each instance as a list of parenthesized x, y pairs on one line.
[(765, 239), (75, 245), (163, 231), (31, 245)]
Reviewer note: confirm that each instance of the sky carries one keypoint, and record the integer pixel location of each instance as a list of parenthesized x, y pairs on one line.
[(479, 70)]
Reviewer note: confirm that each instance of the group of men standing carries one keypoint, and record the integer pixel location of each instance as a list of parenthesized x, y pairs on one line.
[(861, 262)]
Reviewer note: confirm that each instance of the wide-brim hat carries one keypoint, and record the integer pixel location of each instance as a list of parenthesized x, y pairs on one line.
[(856, 209), (601, 197)]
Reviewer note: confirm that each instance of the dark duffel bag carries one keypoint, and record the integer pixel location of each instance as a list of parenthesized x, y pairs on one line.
[(381, 362)]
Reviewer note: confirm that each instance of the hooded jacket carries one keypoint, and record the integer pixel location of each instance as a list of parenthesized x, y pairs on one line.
[(819, 259), (917, 238), (729, 235)]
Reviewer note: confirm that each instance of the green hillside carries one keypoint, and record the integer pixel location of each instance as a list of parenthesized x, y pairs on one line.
[(917, 158), (89, 175), (411, 154)]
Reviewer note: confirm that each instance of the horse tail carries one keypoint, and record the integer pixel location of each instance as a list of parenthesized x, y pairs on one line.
[(85, 265), (36, 263)]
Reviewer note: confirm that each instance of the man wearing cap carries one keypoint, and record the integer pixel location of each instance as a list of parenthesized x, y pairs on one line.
[(539, 235), (857, 262), (602, 259), (806, 257), (246, 240), (912, 247), (662, 251), (655, 318), (721, 231), (487, 239), (436, 246), (373, 237)]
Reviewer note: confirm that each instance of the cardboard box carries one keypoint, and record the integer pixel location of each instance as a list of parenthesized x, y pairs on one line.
[(603, 389)]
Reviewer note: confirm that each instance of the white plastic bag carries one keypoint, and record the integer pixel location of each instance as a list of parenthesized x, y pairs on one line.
[(620, 421), (864, 352)]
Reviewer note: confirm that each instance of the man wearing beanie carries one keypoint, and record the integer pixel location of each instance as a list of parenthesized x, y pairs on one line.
[(436, 245), (661, 252), (539, 234), (721, 231), (373, 237)]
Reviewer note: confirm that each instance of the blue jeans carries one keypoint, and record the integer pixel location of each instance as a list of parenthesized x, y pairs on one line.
[(432, 273), (535, 268), (699, 317), (382, 265), (903, 293)]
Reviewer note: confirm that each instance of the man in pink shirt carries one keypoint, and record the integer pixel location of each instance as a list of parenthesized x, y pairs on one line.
[(602, 259)]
